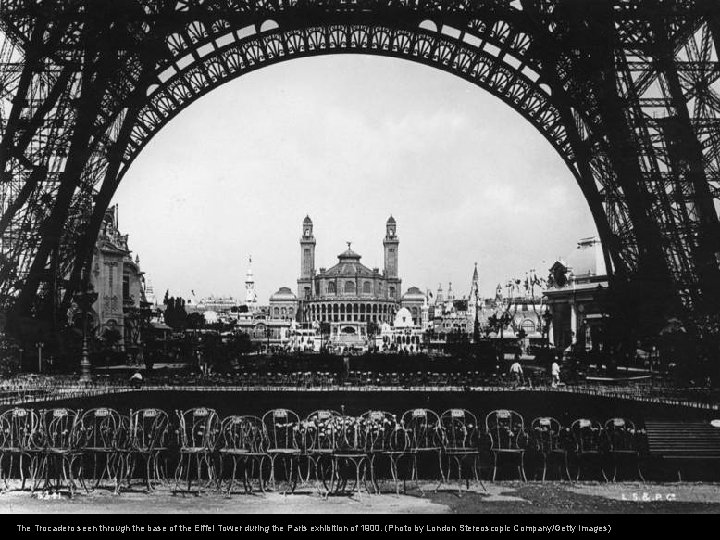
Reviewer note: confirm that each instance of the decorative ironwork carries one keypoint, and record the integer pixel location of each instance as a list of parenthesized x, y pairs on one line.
[(624, 90)]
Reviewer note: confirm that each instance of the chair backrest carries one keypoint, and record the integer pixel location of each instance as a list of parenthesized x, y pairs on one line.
[(547, 434), (282, 428), (148, 429), (460, 430), (506, 429), (384, 432), (243, 433), (318, 431), (99, 428), (621, 435), (197, 428), (423, 429), (60, 428), (21, 429), (588, 435), (350, 433)]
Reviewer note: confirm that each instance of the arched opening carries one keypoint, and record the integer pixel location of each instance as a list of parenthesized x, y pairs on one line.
[(495, 52)]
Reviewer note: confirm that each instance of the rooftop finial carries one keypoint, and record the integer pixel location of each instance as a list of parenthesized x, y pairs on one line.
[(348, 243)]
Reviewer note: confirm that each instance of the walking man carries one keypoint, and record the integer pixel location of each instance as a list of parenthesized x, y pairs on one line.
[(516, 372), (555, 374)]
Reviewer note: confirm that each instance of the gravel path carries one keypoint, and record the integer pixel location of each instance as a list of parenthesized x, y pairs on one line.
[(500, 497)]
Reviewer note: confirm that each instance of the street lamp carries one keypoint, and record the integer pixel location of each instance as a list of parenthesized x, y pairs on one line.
[(85, 299), (39, 346)]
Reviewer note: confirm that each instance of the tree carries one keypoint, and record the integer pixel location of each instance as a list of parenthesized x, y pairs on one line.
[(195, 321), (9, 357), (175, 314), (111, 337)]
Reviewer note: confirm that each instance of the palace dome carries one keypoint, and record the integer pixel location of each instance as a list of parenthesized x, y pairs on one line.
[(413, 293), (284, 293), (348, 265)]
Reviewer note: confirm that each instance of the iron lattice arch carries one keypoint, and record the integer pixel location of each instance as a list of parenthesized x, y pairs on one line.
[(624, 90)]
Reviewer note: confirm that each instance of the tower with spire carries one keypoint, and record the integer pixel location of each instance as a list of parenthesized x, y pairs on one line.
[(474, 302), (391, 242), (307, 260), (250, 293)]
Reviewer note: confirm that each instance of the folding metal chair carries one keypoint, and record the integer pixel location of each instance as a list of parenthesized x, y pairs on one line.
[(318, 436), (22, 439), (97, 440), (197, 433), (624, 444), (60, 449), (424, 431), (282, 428), (550, 441), (506, 429), (243, 439), (590, 445), (461, 443), (148, 433)]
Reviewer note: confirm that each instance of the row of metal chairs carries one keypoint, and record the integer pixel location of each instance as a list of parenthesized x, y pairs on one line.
[(61, 447)]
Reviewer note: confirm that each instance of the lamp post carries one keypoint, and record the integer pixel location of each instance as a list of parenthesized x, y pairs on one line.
[(39, 346), (85, 300)]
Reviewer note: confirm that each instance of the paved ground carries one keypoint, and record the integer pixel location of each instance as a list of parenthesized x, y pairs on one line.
[(500, 497)]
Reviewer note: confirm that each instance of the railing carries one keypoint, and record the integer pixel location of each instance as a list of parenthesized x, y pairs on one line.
[(698, 398)]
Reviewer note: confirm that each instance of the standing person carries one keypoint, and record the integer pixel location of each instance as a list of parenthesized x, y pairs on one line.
[(555, 374), (517, 372)]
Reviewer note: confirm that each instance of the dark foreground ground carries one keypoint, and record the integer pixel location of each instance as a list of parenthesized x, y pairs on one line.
[(499, 497)]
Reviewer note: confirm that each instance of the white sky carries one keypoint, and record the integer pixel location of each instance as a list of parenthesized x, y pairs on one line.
[(348, 140)]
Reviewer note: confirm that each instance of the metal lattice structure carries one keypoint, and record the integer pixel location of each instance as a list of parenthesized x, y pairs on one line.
[(626, 91)]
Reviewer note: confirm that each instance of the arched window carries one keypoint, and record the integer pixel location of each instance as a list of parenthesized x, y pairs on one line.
[(276, 312), (349, 287), (528, 326), (331, 288), (391, 291), (367, 288)]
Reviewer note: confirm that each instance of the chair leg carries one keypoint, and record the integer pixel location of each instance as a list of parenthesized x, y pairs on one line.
[(232, 476), (640, 475), (442, 473), (178, 472)]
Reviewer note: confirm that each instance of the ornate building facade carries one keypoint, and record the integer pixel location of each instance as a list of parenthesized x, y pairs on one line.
[(117, 279), (577, 297), (349, 293)]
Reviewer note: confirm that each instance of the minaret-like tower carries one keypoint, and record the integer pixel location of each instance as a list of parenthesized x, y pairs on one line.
[(390, 245), (307, 260), (250, 294), (474, 304)]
